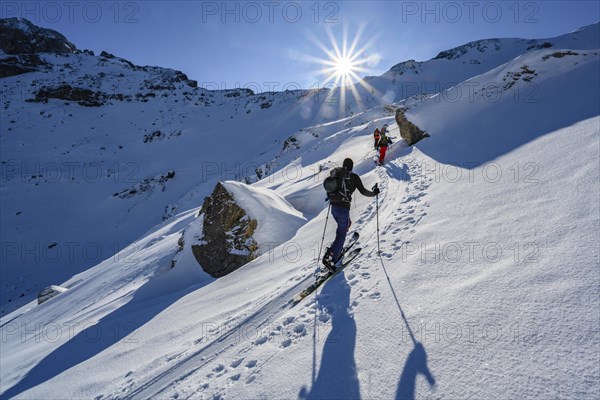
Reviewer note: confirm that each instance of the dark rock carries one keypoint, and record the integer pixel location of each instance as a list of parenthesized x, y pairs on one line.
[(228, 242), (83, 97), (21, 64), (291, 142), (481, 46), (20, 36), (409, 131), (560, 54), (106, 54), (49, 292), (535, 45), (146, 185)]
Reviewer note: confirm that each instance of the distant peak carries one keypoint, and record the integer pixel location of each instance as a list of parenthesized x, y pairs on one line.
[(478, 45), (21, 36)]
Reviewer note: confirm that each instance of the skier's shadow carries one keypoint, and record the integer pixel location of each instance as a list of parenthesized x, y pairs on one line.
[(397, 172), (416, 362), (337, 377)]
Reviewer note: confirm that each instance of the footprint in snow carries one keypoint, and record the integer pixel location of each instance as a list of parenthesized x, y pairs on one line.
[(375, 296), (219, 368), (286, 343), (235, 377), (236, 363), (300, 329), (288, 320), (261, 340), (251, 364)]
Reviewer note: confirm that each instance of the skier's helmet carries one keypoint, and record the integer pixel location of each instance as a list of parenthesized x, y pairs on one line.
[(348, 164)]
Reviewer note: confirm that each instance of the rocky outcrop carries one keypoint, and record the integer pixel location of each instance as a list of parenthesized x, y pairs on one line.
[(20, 36), (227, 243), (50, 292), (410, 66), (409, 131), (21, 64), (83, 97), (146, 185), (482, 46)]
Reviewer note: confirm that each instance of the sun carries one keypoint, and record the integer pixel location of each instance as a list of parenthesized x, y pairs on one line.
[(339, 71), (344, 60), (344, 68)]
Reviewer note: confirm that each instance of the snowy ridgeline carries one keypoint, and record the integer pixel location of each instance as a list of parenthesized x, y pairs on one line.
[(488, 230)]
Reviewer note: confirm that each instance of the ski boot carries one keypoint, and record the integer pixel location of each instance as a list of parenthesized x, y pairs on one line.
[(328, 261)]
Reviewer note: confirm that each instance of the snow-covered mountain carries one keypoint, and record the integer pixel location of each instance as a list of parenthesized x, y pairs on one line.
[(106, 150), (488, 282)]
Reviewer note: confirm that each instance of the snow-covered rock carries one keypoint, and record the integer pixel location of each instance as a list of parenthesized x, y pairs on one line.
[(50, 292), (241, 222)]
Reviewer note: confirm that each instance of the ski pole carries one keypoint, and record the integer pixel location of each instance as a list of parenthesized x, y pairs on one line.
[(377, 212), (324, 230)]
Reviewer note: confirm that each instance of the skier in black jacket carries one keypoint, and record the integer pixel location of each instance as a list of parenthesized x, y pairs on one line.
[(340, 209)]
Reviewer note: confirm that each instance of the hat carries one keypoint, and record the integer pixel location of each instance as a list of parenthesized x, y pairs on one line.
[(348, 164)]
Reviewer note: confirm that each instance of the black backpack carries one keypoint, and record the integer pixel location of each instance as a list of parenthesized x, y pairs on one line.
[(337, 185), (384, 140)]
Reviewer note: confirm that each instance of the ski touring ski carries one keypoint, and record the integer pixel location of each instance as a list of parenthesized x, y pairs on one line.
[(348, 247), (347, 256)]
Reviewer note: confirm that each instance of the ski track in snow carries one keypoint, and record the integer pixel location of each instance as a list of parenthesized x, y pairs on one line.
[(402, 206)]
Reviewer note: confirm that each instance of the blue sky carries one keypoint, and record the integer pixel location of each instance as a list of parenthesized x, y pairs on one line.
[(268, 44)]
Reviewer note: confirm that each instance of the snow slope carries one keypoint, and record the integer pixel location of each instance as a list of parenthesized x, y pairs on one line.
[(487, 286), (79, 183)]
